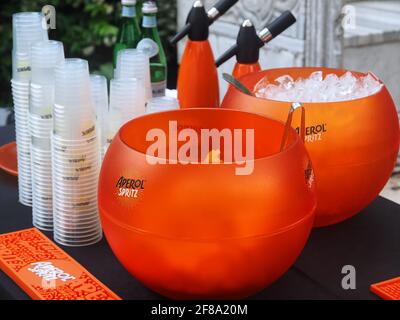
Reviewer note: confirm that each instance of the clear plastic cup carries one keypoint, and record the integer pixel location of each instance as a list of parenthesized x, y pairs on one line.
[(76, 174), (27, 29), (68, 216), (21, 103), (77, 210), (44, 199), (23, 139), (59, 184), (71, 239), (132, 63), (43, 218), (72, 189), (19, 85), (72, 142), (126, 102), (100, 99), (62, 148), (43, 188), (89, 224), (69, 228), (42, 104), (20, 92), (77, 234), (78, 198), (43, 211), (127, 88), (84, 218), (42, 226), (74, 157), (80, 167), (160, 104), (45, 57), (72, 83), (77, 230), (78, 243), (41, 161), (99, 92), (44, 206), (74, 112)]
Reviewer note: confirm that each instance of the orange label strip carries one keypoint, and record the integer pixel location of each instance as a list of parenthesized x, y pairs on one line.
[(46, 272), (387, 290)]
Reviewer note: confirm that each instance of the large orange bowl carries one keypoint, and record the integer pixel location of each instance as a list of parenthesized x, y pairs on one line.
[(200, 230), (353, 144)]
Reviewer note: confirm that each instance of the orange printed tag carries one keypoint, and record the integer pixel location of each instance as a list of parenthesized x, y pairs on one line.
[(387, 290), (45, 272)]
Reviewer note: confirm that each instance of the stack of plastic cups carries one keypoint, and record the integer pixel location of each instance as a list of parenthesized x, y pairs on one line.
[(27, 29), (127, 101), (132, 63), (76, 157), (160, 104), (99, 91), (46, 56)]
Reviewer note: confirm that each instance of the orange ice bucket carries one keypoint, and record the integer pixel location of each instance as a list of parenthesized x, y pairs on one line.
[(203, 231), (353, 144)]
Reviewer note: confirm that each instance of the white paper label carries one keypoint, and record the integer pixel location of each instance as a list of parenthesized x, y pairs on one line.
[(128, 12), (149, 22)]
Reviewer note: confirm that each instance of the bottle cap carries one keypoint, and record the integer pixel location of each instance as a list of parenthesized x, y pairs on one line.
[(149, 7), (248, 44), (198, 19), (128, 2), (197, 14)]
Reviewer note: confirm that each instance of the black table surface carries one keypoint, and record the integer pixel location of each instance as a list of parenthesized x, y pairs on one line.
[(370, 242)]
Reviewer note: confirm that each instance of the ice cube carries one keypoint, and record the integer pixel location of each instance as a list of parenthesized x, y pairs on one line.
[(316, 76), (261, 84), (371, 84), (285, 82), (317, 89), (331, 79)]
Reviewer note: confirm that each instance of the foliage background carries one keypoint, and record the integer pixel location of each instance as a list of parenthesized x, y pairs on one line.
[(88, 29)]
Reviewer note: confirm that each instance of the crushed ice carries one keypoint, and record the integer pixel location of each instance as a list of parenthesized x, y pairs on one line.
[(317, 88)]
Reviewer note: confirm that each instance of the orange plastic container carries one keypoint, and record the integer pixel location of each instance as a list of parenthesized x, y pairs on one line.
[(353, 144), (198, 78), (242, 69), (200, 230)]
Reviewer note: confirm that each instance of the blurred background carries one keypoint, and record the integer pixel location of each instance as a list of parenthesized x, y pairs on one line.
[(356, 35), (88, 29)]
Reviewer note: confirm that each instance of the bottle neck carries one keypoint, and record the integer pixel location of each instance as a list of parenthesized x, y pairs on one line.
[(129, 12), (149, 21)]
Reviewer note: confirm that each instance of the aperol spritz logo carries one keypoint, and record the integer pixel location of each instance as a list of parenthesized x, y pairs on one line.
[(314, 133), (187, 145), (48, 272), (130, 187)]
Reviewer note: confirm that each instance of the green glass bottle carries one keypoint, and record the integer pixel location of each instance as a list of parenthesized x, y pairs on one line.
[(129, 32), (139, 5), (151, 44)]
